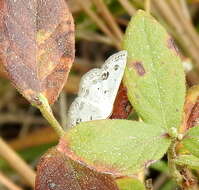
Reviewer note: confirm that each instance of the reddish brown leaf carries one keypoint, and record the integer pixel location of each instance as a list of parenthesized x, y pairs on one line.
[(57, 172), (37, 45), (122, 106), (191, 109), (194, 116)]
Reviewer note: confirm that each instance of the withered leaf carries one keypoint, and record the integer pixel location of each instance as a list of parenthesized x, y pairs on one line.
[(37, 45), (122, 106), (56, 171), (191, 109)]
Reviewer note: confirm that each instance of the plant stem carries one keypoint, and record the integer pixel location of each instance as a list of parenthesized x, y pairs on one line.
[(183, 176), (8, 183), (16, 162), (109, 18), (148, 6), (172, 166), (46, 111), (99, 22), (130, 9)]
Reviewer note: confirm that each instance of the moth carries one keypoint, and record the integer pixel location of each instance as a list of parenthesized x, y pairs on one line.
[(98, 90)]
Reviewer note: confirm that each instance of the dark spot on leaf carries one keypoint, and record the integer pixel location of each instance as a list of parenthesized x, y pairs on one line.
[(171, 45), (139, 68), (165, 135)]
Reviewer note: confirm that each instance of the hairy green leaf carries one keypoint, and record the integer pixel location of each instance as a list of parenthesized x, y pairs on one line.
[(154, 75), (188, 160), (191, 141), (129, 184), (120, 147)]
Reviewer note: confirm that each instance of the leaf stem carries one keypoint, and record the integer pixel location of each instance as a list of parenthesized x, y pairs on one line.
[(172, 166), (46, 111), (183, 176)]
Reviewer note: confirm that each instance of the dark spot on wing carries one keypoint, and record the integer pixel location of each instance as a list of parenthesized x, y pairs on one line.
[(116, 67), (139, 68), (78, 120), (105, 76)]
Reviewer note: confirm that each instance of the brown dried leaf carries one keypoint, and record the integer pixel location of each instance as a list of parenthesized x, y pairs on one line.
[(57, 172), (122, 107), (37, 45), (191, 109)]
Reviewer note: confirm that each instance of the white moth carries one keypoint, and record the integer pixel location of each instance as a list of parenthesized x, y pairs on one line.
[(98, 90)]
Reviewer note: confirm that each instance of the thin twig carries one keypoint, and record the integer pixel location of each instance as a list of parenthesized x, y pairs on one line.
[(130, 9), (185, 9), (18, 118), (35, 138), (148, 6), (186, 24), (93, 37), (8, 183), (108, 17), (99, 22), (164, 9), (17, 162)]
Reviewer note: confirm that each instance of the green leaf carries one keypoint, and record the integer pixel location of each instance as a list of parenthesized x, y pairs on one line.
[(129, 184), (191, 141), (169, 185), (160, 166), (154, 75), (188, 160), (120, 147)]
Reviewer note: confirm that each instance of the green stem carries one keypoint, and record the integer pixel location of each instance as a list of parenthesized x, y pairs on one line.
[(177, 176), (46, 111), (171, 163)]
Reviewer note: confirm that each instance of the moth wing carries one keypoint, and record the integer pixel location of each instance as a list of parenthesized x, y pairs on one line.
[(82, 110), (98, 90), (112, 73)]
